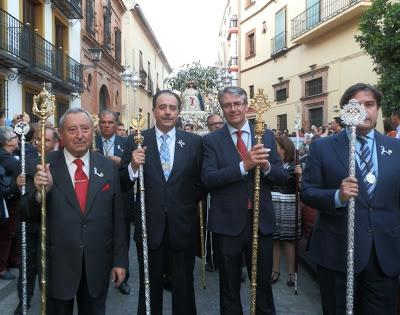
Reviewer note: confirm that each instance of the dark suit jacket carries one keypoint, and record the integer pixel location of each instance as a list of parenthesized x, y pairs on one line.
[(119, 144), (176, 198), (230, 190), (376, 222), (98, 237)]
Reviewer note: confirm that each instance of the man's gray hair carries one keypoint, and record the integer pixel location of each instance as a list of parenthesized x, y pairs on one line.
[(235, 90), (74, 110), (5, 134), (107, 112)]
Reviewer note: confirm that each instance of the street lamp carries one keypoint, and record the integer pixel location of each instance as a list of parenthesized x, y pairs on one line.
[(95, 54), (131, 78)]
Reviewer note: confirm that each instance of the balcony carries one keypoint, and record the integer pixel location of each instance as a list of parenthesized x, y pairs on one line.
[(73, 74), (278, 44), (71, 8), (14, 42), (324, 16)]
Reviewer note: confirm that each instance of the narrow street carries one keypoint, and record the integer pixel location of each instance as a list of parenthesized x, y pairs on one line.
[(287, 303)]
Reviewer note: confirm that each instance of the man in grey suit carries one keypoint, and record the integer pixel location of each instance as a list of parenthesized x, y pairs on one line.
[(85, 220)]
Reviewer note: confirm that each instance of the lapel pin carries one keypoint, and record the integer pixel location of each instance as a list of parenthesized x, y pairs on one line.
[(383, 151), (181, 143), (119, 148), (98, 174)]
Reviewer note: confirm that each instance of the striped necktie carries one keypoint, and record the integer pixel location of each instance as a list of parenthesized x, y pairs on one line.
[(164, 155), (367, 167)]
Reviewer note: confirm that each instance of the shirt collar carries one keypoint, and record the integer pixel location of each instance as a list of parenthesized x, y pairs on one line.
[(369, 135), (112, 139), (69, 158), (171, 133), (245, 128)]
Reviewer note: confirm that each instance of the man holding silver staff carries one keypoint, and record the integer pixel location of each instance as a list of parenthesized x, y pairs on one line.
[(171, 161), (327, 187), (85, 220), (230, 158)]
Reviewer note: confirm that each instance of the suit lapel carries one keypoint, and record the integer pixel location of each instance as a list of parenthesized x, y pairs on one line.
[(95, 181), (62, 179), (152, 151), (380, 142), (341, 147), (227, 144)]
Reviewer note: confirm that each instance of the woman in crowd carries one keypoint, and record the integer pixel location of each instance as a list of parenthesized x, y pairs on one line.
[(284, 201)]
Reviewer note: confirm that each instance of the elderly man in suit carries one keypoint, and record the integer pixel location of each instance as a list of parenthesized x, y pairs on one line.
[(85, 220), (172, 162), (327, 187), (230, 157)]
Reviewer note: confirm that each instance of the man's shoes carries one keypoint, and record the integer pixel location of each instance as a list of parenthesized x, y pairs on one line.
[(167, 282), (18, 310), (275, 277), (7, 275), (124, 288)]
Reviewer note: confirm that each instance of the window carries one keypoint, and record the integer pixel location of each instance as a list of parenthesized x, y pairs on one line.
[(281, 123), (117, 34), (279, 41), (281, 95), (313, 12), (251, 91), (250, 44), (3, 97), (61, 108), (313, 87), (29, 94), (234, 21), (315, 115)]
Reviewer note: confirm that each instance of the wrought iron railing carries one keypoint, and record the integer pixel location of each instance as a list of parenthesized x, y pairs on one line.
[(14, 36), (46, 56), (318, 13), (74, 72), (278, 43)]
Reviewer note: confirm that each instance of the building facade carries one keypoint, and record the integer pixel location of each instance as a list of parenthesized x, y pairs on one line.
[(303, 55), (37, 45), (101, 31), (143, 55)]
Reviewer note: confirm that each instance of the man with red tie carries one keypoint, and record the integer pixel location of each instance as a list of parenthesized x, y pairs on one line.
[(85, 220), (230, 157)]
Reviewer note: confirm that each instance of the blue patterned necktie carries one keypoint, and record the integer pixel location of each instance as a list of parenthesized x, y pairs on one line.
[(366, 166), (164, 156)]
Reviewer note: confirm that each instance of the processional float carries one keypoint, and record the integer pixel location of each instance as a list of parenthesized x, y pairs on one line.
[(138, 124), (22, 128), (43, 108), (259, 104), (352, 114)]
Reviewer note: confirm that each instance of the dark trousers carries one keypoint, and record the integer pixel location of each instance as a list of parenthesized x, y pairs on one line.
[(181, 265), (9, 251), (87, 305), (32, 267), (230, 251), (375, 293)]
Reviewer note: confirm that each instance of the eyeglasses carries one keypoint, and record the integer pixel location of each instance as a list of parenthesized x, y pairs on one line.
[(216, 123), (12, 138), (234, 105)]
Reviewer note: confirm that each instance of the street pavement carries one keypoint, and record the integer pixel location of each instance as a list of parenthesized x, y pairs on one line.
[(307, 301)]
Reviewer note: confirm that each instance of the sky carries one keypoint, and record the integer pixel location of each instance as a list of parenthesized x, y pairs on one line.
[(187, 30)]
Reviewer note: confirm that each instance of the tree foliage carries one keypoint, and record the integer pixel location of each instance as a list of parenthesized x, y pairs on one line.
[(205, 77), (380, 39)]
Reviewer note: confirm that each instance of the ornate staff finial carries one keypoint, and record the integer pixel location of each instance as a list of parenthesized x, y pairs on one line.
[(44, 104), (138, 124), (22, 128), (353, 113), (260, 104)]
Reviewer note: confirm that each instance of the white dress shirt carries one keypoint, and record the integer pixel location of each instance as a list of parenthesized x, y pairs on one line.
[(398, 132), (69, 160), (171, 146), (108, 149)]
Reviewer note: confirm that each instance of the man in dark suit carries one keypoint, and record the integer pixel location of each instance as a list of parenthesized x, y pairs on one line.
[(85, 220), (327, 187), (230, 157), (172, 188), (111, 145), (108, 142)]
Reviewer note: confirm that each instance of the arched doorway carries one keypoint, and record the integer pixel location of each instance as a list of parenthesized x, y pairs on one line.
[(104, 98)]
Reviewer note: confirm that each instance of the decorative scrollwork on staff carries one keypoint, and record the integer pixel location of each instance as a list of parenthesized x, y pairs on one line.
[(260, 104), (138, 124), (43, 108), (352, 114), (95, 120), (22, 129)]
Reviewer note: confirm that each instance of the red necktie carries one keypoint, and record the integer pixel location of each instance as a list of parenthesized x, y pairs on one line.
[(81, 184), (240, 145)]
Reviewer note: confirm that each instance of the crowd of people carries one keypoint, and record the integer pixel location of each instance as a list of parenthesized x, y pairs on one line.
[(91, 180)]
